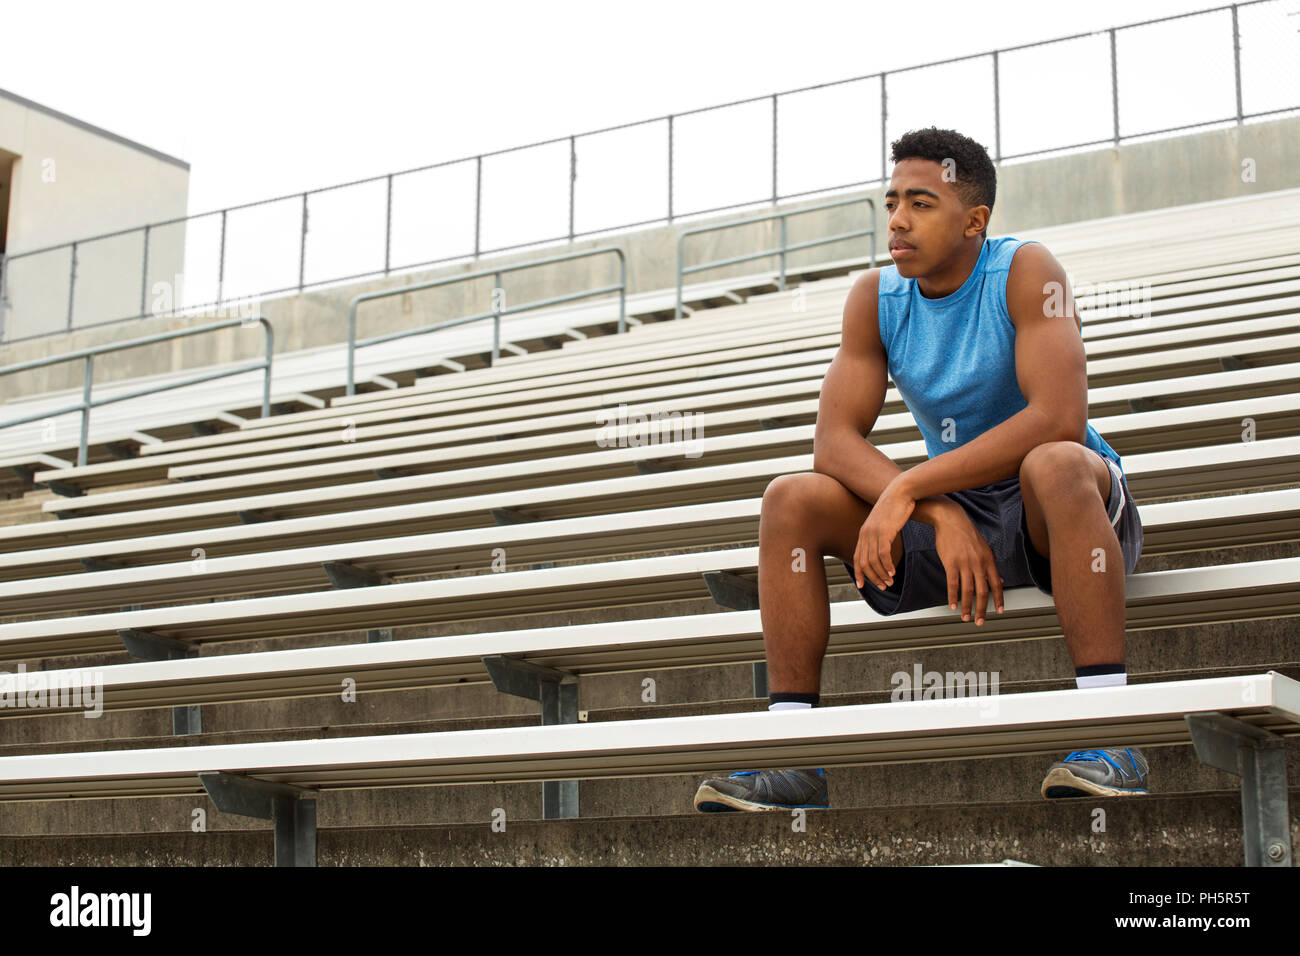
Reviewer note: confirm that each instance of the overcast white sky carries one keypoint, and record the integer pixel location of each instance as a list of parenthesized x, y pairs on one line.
[(271, 97)]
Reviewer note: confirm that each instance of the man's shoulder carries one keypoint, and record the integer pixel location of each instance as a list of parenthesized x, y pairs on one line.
[(1023, 256)]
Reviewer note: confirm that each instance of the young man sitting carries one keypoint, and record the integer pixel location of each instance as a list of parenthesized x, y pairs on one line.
[(981, 339)]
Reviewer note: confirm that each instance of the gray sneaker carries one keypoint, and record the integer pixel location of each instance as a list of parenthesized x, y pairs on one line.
[(756, 790), (1098, 773)]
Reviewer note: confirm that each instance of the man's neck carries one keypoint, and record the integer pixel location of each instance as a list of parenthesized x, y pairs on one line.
[(950, 278)]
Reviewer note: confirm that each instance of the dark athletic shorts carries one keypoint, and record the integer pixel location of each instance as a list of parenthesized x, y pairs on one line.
[(997, 511)]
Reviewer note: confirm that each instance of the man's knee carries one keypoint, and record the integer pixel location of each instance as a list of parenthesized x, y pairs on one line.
[(1057, 471), (812, 501), (796, 494)]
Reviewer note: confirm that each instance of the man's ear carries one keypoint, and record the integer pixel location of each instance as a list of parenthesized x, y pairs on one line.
[(977, 220)]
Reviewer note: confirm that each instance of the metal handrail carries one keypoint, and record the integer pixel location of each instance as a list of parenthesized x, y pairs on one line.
[(780, 250), (672, 212), (87, 403), (496, 313)]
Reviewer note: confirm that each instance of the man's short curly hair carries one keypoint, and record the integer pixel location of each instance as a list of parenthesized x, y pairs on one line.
[(977, 179)]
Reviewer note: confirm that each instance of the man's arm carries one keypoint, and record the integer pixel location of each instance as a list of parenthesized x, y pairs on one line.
[(852, 395), (1051, 368)]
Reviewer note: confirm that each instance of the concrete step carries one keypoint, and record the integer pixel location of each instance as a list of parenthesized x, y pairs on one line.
[(1195, 829)]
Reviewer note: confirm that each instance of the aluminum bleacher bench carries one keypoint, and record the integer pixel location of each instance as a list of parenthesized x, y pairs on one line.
[(418, 432), (628, 582), (1246, 334), (518, 462), (39, 582), (1213, 468), (1235, 723)]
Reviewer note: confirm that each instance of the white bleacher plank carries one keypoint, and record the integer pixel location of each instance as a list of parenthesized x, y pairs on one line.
[(1216, 467), (502, 461), (1262, 589), (1030, 723), (1229, 521)]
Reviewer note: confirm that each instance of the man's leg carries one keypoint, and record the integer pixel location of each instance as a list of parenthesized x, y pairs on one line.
[(1065, 486), (806, 517)]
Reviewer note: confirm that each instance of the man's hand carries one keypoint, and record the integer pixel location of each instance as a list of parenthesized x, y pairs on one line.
[(967, 558), (872, 557), (965, 555)]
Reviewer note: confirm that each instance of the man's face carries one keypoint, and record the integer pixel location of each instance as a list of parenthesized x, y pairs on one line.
[(925, 216)]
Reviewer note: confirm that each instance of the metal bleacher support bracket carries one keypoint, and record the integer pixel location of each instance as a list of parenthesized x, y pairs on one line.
[(344, 575), (1259, 759), (291, 809), (734, 591), (731, 590), (145, 645), (559, 706)]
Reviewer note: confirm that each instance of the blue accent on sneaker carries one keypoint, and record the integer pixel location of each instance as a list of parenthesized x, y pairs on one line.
[(764, 790), (1104, 755), (1123, 770)]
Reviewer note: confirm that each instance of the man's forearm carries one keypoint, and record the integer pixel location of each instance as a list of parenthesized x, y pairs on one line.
[(990, 457), (866, 471)]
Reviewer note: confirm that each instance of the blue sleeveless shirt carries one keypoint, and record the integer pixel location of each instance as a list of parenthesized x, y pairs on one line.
[(953, 359)]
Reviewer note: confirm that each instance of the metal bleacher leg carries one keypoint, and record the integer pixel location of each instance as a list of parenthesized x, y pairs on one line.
[(291, 809), (147, 646), (559, 702), (1258, 757)]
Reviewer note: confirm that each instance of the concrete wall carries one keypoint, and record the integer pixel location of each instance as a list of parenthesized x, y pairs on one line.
[(1135, 178), (72, 180)]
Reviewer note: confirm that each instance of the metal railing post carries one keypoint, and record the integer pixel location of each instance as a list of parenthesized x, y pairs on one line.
[(302, 247), (221, 257), (677, 309), (775, 191), (780, 284), (1236, 60), (478, 205), (573, 179), (997, 114), (84, 444), (4, 292), (884, 133), (622, 294), (670, 168), (144, 273), (496, 316), (269, 334), (72, 285), (352, 345), (388, 227), (1114, 86)]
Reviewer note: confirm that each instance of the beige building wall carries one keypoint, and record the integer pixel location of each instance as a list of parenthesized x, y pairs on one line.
[(67, 180)]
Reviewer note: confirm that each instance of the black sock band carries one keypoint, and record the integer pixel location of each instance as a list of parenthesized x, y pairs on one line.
[(1092, 670), (795, 698)]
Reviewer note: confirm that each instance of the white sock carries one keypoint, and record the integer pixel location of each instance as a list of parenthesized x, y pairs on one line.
[(1102, 680), (788, 705)]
